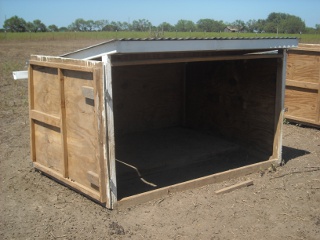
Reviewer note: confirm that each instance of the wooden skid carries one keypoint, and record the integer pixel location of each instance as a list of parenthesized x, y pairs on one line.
[(302, 97), (66, 118)]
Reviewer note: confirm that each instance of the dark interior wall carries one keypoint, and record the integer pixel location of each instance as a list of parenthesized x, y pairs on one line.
[(234, 98), (147, 97)]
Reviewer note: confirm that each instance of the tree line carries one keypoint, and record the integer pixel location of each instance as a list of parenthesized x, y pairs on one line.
[(274, 23)]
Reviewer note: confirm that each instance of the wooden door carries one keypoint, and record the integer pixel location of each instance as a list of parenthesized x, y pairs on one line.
[(68, 123)]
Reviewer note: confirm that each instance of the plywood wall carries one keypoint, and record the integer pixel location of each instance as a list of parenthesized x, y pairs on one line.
[(66, 123), (302, 96), (235, 98), (147, 97)]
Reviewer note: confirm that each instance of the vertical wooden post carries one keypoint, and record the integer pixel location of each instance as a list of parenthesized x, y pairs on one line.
[(279, 106), (31, 107), (100, 120), (63, 127), (110, 132)]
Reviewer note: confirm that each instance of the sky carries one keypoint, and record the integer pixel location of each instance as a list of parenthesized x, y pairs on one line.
[(64, 12)]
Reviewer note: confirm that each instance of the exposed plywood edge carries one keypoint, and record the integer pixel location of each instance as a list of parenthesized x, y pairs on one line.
[(64, 61), (62, 66), (100, 120), (31, 106), (279, 107), (66, 181), (234, 187), (307, 85), (45, 118), (195, 59), (110, 133), (308, 47), (199, 182)]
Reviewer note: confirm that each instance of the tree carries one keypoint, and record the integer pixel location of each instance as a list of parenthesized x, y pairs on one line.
[(293, 24), (79, 25), (256, 26), (15, 24), (141, 25), (38, 26), (210, 25), (185, 26), (63, 29), (239, 24), (99, 24), (284, 23), (53, 28), (167, 27)]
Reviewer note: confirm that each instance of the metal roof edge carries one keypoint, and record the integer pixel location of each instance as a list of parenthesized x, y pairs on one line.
[(148, 45), (88, 48)]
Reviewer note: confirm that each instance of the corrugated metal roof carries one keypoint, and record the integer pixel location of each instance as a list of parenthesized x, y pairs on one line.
[(148, 45), (195, 38)]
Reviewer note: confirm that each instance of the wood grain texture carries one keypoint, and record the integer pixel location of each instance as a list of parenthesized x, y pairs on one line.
[(234, 187), (235, 98), (48, 144), (303, 85), (303, 67), (279, 108), (100, 120), (80, 127), (64, 126), (199, 182), (45, 118), (46, 91), (301, 103), (110, 112), (147, 97)]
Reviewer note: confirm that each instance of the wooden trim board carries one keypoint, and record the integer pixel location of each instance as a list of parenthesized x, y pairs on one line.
[(234, 187), (194, 59), (195, 183)]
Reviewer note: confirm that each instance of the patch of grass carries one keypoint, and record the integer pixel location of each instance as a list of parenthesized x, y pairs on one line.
[(305, 38)]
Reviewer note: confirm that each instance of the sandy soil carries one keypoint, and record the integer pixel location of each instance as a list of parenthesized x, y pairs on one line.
[(282, 204)]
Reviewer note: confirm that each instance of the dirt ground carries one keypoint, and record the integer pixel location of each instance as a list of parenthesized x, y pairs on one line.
[(282, 204)]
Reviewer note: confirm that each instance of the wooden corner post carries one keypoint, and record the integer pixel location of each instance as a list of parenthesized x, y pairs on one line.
[(279, 106)]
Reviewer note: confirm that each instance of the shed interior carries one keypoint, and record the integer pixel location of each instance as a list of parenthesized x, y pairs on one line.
[(179, 120)]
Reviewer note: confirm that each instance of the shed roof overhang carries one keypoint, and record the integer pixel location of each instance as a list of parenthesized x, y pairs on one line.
[(125, 46)]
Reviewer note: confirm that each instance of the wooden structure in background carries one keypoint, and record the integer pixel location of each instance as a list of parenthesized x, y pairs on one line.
[(302, 95), (127, 121)]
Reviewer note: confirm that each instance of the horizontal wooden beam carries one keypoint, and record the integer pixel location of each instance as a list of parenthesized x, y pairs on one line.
[(299, 84), (66, 181), (301, 120), (45, 118), (194, 59), (199, 182), (62, 66)]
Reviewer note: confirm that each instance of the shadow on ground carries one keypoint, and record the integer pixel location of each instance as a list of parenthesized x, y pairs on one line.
[(289, 153)]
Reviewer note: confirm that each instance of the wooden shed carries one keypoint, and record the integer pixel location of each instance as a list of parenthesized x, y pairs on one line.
[(129, 120), (302, 95)]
